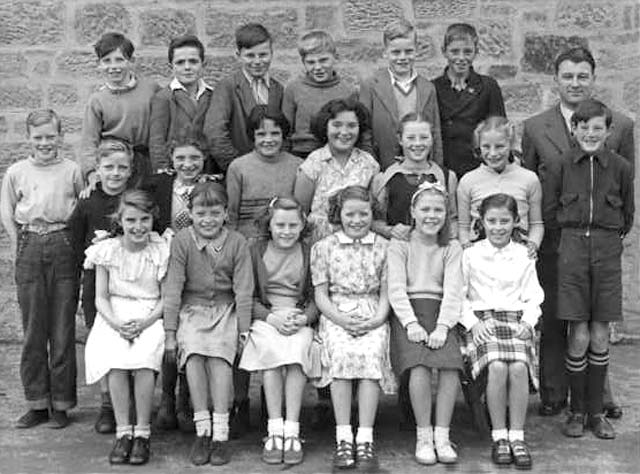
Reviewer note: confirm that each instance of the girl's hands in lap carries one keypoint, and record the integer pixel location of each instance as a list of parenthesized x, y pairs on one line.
[(525, 331), (438, 337), (482, 332), (416, 333)]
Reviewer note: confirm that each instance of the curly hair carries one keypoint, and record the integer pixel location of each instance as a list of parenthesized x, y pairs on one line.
[(337, 200), (281, 203), (260, 113), (331, 109)]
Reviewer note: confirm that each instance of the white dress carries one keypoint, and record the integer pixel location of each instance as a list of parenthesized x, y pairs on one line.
[(134, 290)]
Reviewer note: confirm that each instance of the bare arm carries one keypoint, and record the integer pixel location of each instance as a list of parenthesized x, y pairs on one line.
[(304, 190)]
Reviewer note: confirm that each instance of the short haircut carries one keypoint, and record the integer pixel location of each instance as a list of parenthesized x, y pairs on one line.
[(590, 108), (437, 189), (187, 136), (208, 193), (141, 200), (337, 200), (183, 42), (252, 34), (260, 113), (401, 28), (42, 116), (576, 55), (413, 117), (331, 109), (283, 203), (498, 123), (316, 41), (460, 31), (110, 145), (109, 42)]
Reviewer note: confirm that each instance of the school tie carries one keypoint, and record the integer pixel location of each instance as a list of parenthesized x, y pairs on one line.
[(260, 91)]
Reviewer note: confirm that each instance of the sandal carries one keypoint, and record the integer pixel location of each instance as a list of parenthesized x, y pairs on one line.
[(343, 457), (366, 457), (521, 455), (501, 452), (271, 454), (293, 453)]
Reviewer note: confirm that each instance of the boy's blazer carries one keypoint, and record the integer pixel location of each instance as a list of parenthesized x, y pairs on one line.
[(225, 124), (376, 93), (160, 186)]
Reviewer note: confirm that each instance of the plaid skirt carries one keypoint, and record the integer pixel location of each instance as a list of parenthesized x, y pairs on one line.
[(503, 345)]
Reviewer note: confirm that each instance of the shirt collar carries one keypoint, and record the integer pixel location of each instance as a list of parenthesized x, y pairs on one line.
[(488, 248), (507, 169), (216, 244), (251, 79), (175, 84), (35, 162), (600, 156), (566, 115), (344, 239), (325, 154), (128, 86), (403, 82)]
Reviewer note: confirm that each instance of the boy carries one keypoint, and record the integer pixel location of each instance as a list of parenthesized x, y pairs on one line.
[(91, 218), (305, 95), (37, 197), (225, 125), (183, 104), (121, 108), (465, 98), (397, 90), (592, 199)]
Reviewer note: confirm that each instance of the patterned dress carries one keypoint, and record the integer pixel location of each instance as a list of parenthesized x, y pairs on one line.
[(355, 272)]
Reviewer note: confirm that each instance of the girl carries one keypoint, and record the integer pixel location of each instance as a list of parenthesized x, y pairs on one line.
[(350, 280), (394, 187), (280, 338), (495, 138), (340, 125), (501, 306), (425, 284), (207, 312), (127, 337)]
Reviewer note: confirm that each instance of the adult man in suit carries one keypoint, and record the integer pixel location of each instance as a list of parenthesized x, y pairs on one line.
[(546, 137)]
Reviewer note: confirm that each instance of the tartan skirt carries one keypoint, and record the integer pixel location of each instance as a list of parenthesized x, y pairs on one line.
[(503, 346)]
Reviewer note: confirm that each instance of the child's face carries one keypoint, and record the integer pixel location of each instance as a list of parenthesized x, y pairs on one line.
[(285, 227), (256, 60), (356, 217), (114, 171), (208, 220), (343, 131), (136, 226), (460, 54), (494, 149), (187, 65), (416, 140), (268, 139), (498, 224), (188, 161), (116, 68), (45, 142), (429, 212), (591, 135), (319, 66), (575, 82), (401, 54)]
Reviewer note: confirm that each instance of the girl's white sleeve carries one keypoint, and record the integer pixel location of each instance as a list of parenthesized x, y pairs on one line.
[(532, 294), (468, 319)]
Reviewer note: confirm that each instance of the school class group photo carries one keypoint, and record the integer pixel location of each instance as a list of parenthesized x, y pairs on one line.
[(394, 237)]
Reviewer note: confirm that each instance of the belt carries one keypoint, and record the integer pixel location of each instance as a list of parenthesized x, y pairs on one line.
[(43, 228)]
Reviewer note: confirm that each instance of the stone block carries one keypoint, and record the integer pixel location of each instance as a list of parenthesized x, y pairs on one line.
[(540, 51), (13, 65), (155, 67), (429, 9), (94, 19), (502, 71), (31, 22), (12, 152), (282, 23), (366, 16), (19, 97), (535, 18), (218, 67), (631, 95), (357, 50), (587, 15), (159, 26), (521, 98), (321, 17), (71, 124), (4, 126), (62, 95), (631, 17), (81, 64), (494, 38)]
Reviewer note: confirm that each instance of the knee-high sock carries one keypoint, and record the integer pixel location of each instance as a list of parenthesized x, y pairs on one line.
[(577, 369), (598, 364)]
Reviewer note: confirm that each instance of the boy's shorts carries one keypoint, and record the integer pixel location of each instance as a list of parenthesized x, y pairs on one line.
[(590, 275)]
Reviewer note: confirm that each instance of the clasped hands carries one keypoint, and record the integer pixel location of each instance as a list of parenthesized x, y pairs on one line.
[(416, 333), (483, 331), (287, 321)]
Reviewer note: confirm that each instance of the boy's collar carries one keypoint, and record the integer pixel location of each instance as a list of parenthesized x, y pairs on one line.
[(344, 239), (33, 160), (128, 86), (251, 79), (469, 82), (403, 82), (600, 155), (175, 84), (216, 243), (335, 79)]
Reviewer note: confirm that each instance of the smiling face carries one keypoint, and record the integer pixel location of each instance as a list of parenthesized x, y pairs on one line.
[(498, 223), (343, 131), (285, 227), (401, 54), (416, 140), (319, 66), (460, 54), (187, 65), (208, 220), (116, 68), (591, 135), (356, 217), (495, 149), (575, 82), (267, 140), (45, 141), (429, 213), (256, 60), (136, 226), (188, 161), (114, 170)]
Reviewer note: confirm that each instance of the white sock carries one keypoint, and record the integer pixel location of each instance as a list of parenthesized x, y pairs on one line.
[(275, 427), (424, 434), (202, 420), (291, 428), (516, 435), (441, 435), (124, 430), (499, 434), (364, 435), (220, 426), (344, 433), (142, 431)]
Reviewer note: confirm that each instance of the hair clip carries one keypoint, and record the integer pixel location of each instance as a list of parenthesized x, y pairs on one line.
[(214, 178), (428, 186), (273, 201)]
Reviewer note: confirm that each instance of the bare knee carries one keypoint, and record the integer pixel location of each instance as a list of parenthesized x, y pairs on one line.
[(517, 370), (498, 369), (579, 338), (599, 337)]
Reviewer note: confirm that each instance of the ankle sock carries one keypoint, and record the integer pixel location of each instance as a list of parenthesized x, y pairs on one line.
[(364, 435), (142, 431), (516, 435), (202, 420), (291, 428), (577, 369), (499, 434), (441, 435), (424, 434), (124, 430), (220, 426), (344, 433), (596, 375), (275, 429)]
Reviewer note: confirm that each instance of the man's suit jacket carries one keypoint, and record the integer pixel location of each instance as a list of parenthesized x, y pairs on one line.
[(377, 95)]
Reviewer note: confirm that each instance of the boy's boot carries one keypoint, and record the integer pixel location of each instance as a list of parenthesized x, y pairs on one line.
[(598, 363), (577, 368), (166, 417), (106, 422), (184, 410)]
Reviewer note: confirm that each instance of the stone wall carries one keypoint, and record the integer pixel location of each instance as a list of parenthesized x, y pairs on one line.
[(46, 57)]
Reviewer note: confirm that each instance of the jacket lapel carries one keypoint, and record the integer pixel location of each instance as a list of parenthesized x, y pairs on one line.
[(185, 104), (556, 130), (471, 93), (243, 91), (384, 90)]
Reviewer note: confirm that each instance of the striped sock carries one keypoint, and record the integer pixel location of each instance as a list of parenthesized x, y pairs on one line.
[(577, 369), (598, 364)]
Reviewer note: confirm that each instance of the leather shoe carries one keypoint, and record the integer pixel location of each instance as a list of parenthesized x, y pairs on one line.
[(220, 454), (613, 411), (201, 450), (521, 455), (601, 427), (551, 408), (501, 452), (106, 422), (121, 450), (574, 426), (139, 451), (59, 420), (32, 418)]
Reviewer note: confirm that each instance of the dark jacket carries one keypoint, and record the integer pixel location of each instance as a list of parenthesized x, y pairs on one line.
[(461, 112), (261, 305), (160, 186)]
